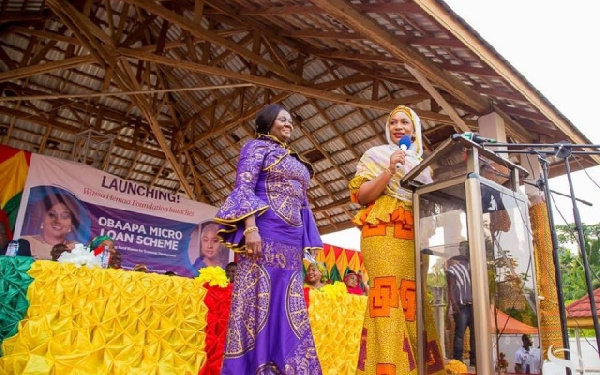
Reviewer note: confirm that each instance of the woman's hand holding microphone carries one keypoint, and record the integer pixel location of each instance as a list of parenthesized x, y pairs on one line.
[(397, 160)]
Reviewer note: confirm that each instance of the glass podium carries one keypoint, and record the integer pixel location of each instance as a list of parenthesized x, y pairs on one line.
[(474, 257)]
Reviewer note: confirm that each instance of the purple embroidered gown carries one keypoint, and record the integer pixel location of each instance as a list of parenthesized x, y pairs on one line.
[(269, 331)]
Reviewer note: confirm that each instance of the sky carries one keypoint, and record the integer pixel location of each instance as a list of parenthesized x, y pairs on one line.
[(552, 44)]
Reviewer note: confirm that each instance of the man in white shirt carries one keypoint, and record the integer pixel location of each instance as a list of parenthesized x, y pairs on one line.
[(522, 356), (535, 360)]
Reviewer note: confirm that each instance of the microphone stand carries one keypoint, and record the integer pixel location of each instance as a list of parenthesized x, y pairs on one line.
[(540, 185), (561, 150), (564, 152)]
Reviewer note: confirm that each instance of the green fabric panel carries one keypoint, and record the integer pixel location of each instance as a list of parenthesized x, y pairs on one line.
[(12, 208), (14, 282), (334, 274)]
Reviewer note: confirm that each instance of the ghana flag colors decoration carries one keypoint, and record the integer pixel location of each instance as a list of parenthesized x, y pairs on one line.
[(57, 318), (14, 166)]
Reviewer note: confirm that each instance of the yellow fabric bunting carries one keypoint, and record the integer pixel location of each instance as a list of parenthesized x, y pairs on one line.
[(321, 257), (91, 321), (354, 263), (336, 319), (341, 262), (330, 261)]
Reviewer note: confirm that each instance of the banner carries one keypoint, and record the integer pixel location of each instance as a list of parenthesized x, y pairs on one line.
[(67, 202)]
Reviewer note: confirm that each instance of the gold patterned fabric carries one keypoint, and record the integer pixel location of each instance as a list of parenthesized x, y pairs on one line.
[(84, 321), (389, 337), (336, 319), (542, 243)]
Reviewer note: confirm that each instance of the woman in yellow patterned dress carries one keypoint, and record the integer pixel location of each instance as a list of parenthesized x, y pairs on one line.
[(389, 337)]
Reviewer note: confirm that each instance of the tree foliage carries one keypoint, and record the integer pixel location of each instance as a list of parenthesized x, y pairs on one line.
[(571, 264)]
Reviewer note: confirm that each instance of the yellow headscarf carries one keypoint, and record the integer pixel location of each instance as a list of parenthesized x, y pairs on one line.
[(323, 269)]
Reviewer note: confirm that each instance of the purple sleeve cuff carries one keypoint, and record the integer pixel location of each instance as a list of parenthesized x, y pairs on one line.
[(311, 236), (243, 202)]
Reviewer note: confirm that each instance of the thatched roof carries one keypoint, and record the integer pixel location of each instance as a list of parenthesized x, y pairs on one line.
[(173, 86)]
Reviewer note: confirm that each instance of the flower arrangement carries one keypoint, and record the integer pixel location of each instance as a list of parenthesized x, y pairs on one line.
[(80, 256), (214, 276), (502, 363), (456, 367)]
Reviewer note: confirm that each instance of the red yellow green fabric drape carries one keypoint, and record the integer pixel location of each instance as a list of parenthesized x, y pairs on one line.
[(336, 320), (14, 282), (95, 321), (14, 166), (218, 302), (338, 261)]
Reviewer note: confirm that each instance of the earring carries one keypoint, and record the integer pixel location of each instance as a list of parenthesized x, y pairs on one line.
[(42, 226)]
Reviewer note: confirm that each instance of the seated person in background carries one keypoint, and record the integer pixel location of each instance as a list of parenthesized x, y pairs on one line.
[(352, 281), (140, 267), (316, 276), (114, 261), (98, 243), (230, 269), (57, 251), (24, 248)]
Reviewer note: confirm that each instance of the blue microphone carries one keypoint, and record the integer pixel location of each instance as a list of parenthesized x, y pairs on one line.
[(404, 144)]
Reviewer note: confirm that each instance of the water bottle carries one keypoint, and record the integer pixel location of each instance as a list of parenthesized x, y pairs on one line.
[(12, 249), (105, 256)]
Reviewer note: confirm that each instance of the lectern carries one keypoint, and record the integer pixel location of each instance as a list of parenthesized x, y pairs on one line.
[(472, 213)]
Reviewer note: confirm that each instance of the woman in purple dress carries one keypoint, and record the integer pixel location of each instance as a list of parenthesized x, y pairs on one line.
[(267, 220)]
